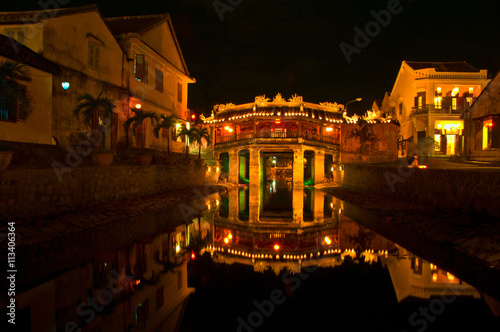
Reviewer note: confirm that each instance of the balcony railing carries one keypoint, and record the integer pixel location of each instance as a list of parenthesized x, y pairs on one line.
[(462, 105), (277, 135)]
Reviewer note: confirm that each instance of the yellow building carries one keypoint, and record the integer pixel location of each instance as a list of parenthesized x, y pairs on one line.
[(131, 60), (482, 125), (158, 76), (37, 128), (429, 100), (78, 40)]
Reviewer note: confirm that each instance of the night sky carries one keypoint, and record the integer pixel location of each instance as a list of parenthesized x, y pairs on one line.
[(291, 46)]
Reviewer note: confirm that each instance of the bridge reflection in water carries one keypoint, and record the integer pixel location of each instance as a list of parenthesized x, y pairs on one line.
[(332, 272)]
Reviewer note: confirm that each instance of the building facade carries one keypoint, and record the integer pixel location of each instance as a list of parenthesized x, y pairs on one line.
[(429, 100), (158, 76), (90, 59), (14, 124), (482, 125), (134, 61)]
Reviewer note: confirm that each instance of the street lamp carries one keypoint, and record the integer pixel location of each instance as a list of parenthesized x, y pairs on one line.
[(345, 108)]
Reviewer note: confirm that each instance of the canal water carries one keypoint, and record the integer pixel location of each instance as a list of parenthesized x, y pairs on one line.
[(285, 259), (272, 258)]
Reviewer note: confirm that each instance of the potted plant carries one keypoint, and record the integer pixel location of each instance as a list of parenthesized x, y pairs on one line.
[(138, 120), (165, 122), (5, 155), (89, 107)]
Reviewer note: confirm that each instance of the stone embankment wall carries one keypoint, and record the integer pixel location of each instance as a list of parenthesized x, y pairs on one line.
[(27, 193), (467, 190)]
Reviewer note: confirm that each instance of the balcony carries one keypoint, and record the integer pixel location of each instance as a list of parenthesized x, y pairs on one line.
[(461, 106), (307, 136)]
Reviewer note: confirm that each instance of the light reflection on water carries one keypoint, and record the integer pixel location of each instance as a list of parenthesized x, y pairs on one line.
[(254, 230), (247, 243)]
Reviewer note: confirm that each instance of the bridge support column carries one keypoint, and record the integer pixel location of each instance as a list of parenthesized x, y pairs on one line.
[(319, 166)]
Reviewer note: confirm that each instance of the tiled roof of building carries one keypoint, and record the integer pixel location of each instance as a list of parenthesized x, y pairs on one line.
[(18, 52), (279, 111), (131, 24), (459, 66), (24, 17)]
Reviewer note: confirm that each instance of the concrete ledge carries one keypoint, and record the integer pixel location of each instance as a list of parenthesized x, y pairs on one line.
[(464, 189), (28, 193)]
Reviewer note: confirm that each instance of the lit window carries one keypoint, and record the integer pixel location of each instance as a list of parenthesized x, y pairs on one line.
[(18, 34), (159, 80), (438, 102), (141, 68), (179, 92), (437, 142), (469, 100), (454, 103), (471, 90), (438, 90), (487, 134), (454, 92), (420, 99), (94, 56)]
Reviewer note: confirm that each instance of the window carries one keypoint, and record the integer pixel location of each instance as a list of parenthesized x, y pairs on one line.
[(437, 142), (420, 99), (471, 90), (178, 241), (454, 103), (18, 34), (416, 265), (487, 134), (179, 92), (438, 102), (94, 56), (141, 68), (158, 80), (454, 92), (13, 110)]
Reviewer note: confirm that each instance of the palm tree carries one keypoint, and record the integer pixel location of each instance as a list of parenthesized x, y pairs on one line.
[(88, 105), (200, 133), (189, 133), (138, 119), (12, 93), (166, 122)]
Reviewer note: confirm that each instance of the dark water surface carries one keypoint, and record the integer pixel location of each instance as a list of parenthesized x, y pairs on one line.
[(273, 258), (359, 282)]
